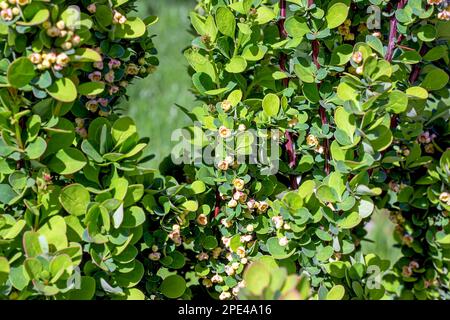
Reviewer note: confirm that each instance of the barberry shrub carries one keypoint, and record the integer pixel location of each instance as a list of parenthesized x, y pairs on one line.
[(352, 99), (71, 168)]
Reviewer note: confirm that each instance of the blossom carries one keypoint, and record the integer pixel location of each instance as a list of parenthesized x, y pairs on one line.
[(283, 241), (444, 15), (110, 76), (235, 265), (6, 14), (226, 105), (225, 295), (244, 260), (232, 203), (434, 2), (53, 32), (217, 279), (246, 238), (23, 2), (359, 70), (424, 137), (98, 65), (114, 64), (240, 196), (224, 132), (61, 25), (226, 223), (242, 127), (113, 90), (202, 220), (202, 256), (240, 251), (238, 184), (95, 76), (229, 270), (223, 165), (250, 228), (357, 57), (92, 8), (312, 140), (251, 204), (226, 241), (92, 105), (278, 221), (263, 206), (207, 283), (35, 58), (62, 59), (445, 197), (132, 69), (154, 256), (235, 290), (429, 148), (103, 102)]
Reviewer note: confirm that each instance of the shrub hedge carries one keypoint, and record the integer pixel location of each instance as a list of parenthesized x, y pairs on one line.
[(344, 103)]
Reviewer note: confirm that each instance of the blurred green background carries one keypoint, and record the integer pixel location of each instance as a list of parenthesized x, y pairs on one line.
[(152, 102)]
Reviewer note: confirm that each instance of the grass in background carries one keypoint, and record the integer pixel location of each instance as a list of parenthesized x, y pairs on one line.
[(152, 100)]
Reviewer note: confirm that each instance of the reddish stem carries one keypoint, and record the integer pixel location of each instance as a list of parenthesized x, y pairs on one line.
[(290, 149), (416, 70), (323, 114), (393, 32), (217, 206)]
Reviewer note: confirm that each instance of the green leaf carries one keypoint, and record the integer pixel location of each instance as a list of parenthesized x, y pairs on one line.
[(91, 88), (436, 79), (278, 252), (296, 27), (336, 15), (133, 28), (336, 293), (122, 130), (39, 17), (226, 22), (133, 217), (327, 194), (86, 290), (7, 194), (427, 33), (417, 92), (4, 270), (198, 187), (237, 64), (173, 286), (63, 90), (254, 52), (20, 72), (257, 278), (87, 55), (264, 15), (398, 102), (36, 149), (209, 242), (67, 161), (349, 220), (341, 54), (271, 105), (75, 199), (345, 121), (31, 244)]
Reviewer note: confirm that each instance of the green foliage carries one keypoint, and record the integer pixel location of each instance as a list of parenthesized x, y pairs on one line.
[(356, 120), (71, 171), (363, 122)]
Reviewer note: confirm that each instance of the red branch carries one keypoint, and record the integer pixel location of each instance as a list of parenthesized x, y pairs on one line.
[(393, 32), (290, 149), (393, 41), (323, 114), (217, 206)]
